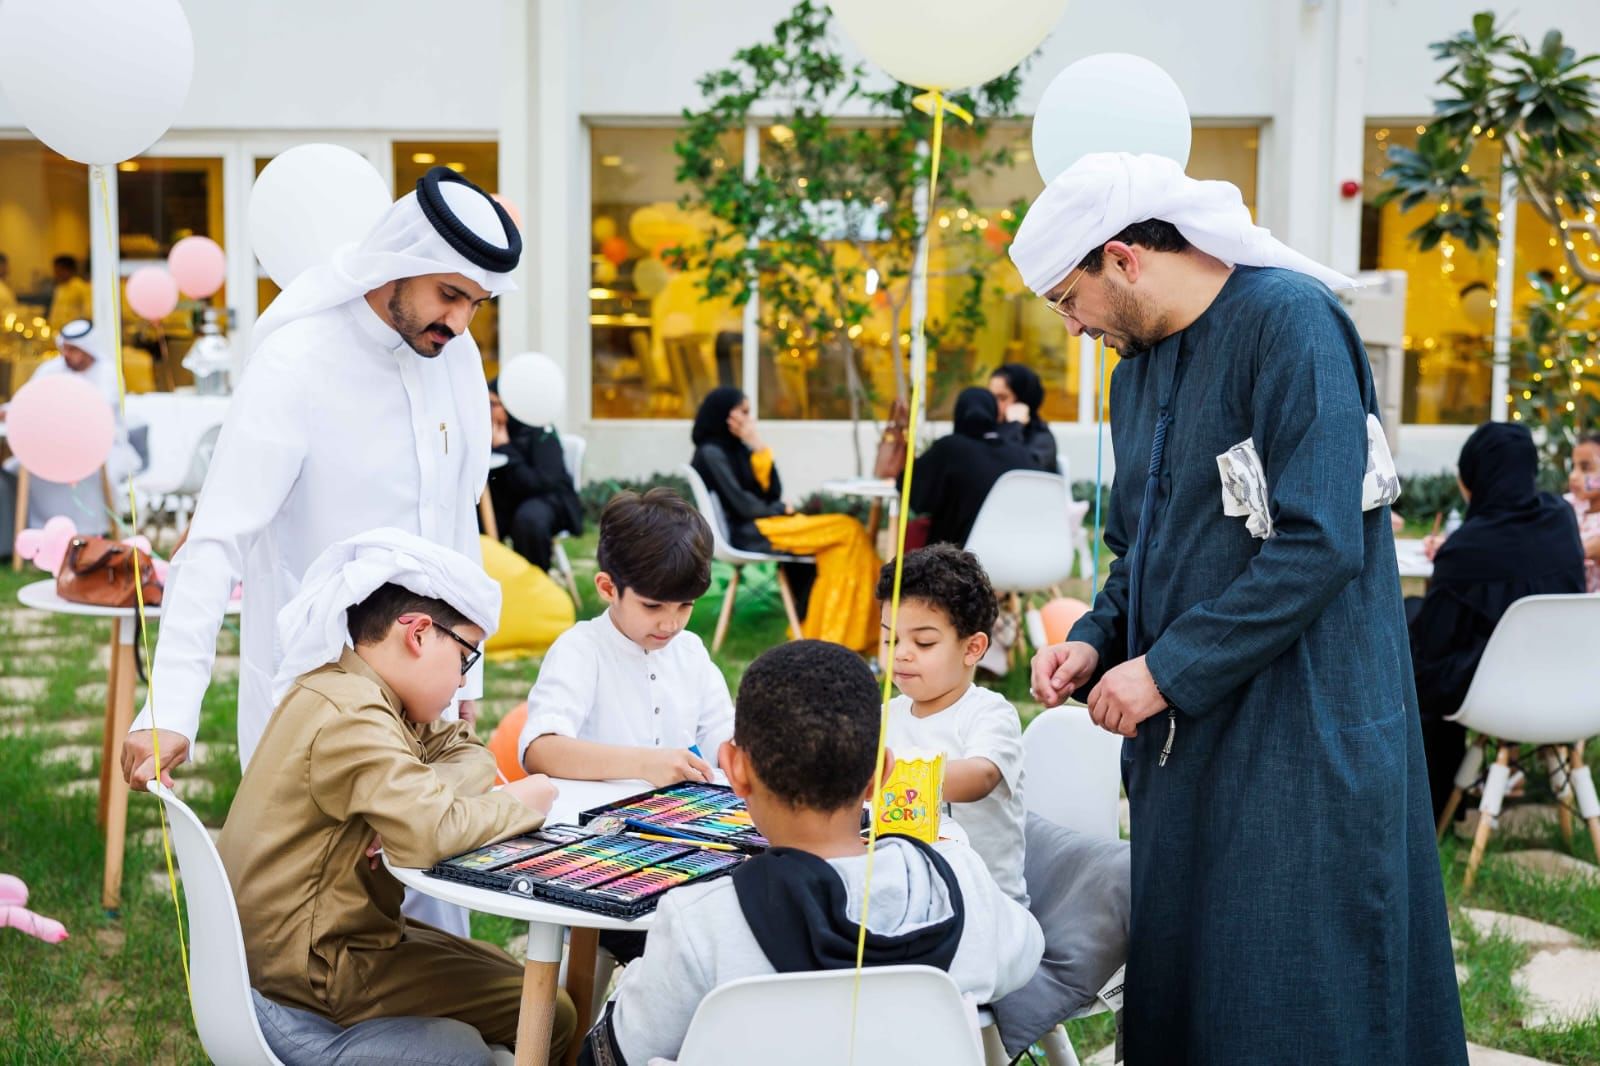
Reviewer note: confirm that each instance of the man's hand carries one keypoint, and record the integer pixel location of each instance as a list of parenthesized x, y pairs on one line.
[(468, 710), (1126, 696), (672, 765), (139, 756), (1061, 669), (535, 792)]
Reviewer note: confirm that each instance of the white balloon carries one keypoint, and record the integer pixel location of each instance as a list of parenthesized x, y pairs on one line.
[(97, 80), (947, 44), (533, 389), (309, 202), (1112, 102)]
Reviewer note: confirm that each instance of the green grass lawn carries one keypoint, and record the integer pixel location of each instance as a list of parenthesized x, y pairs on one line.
[(114, 992)]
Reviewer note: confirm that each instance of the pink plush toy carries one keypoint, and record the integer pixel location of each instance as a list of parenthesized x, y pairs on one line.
[(15, 913), (47, 546)]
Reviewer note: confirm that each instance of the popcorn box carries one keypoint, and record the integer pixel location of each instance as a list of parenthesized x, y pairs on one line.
[(912, 797)]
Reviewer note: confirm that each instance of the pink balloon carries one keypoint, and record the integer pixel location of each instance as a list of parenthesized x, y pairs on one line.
[(60, 427), (198, 266), (47, 546), (152, 293), (511, 208)]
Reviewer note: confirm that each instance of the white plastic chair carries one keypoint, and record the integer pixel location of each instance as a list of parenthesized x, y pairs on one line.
[(220, 996), (572, 452), (1534, 685), (1074, 776), (912, 1014), (1074, 772), (1024, 532), (224, 1013), (710, 509), (177, 500)]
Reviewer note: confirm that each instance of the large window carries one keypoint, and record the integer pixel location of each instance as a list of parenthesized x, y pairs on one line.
[(658, 345), (479, 163), (44, 214), (160, 201), (1450, 289)]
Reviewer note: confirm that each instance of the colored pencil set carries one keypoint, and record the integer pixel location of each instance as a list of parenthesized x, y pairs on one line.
[(622, 876), (689, 811)]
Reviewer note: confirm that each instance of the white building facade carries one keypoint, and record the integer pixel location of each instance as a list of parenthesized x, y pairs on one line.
[(568, 108)]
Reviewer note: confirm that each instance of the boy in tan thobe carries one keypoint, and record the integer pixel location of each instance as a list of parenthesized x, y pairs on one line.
[(355, 750)]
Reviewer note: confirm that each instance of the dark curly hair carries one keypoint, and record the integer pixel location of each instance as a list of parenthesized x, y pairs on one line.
[(807, 716), (1154, 234), (951, 580)]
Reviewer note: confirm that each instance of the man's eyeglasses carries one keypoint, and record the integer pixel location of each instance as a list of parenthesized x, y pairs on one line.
[(474, 653), (1059, 304)]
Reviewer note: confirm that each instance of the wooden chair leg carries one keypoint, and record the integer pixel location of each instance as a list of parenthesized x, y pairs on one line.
[(1493, 793), (725, 615), (1466, 773), (486, 516), (22, 516), (1561, 786), (784, 591), (1449, 813)]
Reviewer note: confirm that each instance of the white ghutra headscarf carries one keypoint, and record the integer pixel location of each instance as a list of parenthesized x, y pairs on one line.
[(313, 628), (1104, 193)]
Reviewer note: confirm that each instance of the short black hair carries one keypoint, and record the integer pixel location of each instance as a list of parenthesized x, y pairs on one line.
[(1154, 234), (656, 544), (67, 261), (952, 580), (369, 620), (808, 717), (1587, 438)]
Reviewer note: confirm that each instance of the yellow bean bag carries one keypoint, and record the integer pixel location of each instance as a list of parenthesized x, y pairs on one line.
[(534, 610)]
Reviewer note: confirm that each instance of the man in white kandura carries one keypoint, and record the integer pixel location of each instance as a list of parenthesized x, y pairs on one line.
[(363, 405)]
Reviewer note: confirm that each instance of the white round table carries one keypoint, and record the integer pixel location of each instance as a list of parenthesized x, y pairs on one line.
[(120, 677), (874, 489), (547, 925)]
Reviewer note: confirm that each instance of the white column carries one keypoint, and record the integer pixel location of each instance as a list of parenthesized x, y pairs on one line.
[(1504, 293), (542, 159), (104, 257), (919, 292), (1303, 164), (238, 178), (1088, 380), (1346, 134), (750, 362), (518, 142)]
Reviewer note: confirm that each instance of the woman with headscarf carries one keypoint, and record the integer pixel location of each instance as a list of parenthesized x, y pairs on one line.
[(533, 495), (1516, 541), (954, 476), (1019, 393), (738, 468)]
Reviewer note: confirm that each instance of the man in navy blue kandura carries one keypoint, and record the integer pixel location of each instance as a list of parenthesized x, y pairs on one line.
[(1249, 641)]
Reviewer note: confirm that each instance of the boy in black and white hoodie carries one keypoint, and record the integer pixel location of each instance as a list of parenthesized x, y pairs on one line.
[(802, 756)]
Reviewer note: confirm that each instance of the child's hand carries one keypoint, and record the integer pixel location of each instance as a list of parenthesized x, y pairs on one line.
[(374, 849), (536, 792), (673, 765)]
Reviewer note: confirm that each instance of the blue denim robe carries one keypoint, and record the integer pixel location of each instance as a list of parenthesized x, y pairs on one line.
[(1287, 901)]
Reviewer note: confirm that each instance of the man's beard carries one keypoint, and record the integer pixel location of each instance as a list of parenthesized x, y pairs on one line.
[(1131, 324), (412, 328)]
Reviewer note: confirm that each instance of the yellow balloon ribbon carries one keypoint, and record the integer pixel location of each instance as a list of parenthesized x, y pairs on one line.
[(99, 173), (935, 104)]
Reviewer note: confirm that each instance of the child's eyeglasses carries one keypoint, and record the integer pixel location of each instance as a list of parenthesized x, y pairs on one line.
[(474, 653)]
